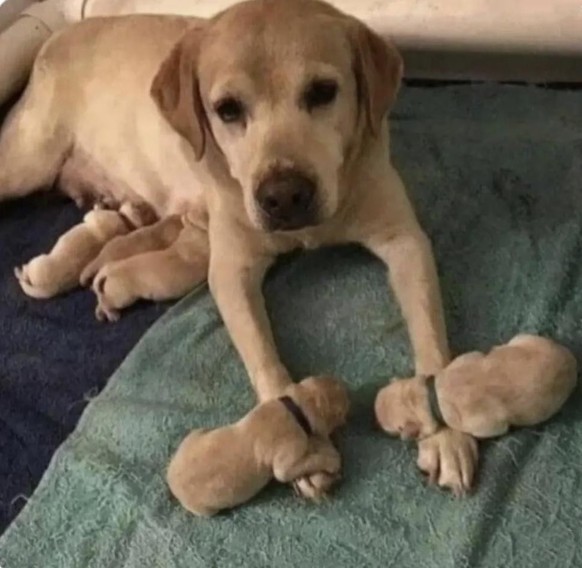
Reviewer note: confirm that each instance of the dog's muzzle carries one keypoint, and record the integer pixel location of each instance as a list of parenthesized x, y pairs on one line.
[(287, 200)]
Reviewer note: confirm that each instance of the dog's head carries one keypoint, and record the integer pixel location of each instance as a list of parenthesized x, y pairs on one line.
[(285, 90)]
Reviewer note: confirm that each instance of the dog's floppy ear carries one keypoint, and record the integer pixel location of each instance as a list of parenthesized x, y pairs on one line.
[(175, 90), (378, 69)]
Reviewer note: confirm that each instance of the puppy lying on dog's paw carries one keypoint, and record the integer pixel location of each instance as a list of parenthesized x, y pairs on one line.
[(59, 271), (521, 383), (286, 439)]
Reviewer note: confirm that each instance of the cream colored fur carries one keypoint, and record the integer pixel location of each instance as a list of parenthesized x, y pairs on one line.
[(59, 271)]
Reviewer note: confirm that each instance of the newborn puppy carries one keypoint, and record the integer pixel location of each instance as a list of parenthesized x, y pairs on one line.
[(285, 439), (150, 237), (58, 271), (521, 383), (152, 274)]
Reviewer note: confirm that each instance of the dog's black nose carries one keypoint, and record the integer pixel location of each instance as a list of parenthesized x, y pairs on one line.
[(287, 200)]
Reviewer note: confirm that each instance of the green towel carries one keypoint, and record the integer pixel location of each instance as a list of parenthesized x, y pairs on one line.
[(496, 173)]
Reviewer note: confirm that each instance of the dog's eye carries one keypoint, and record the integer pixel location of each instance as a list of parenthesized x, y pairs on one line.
[(230, 110), (320, 93)]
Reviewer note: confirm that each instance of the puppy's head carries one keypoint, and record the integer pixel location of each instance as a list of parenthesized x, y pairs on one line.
[(284, 90), (398, 409), (328, 398)]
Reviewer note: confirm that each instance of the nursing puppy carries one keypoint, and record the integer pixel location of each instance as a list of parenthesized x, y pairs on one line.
[(284, 439), (521, 383), (130, 268), (265, 124), (59, 271)]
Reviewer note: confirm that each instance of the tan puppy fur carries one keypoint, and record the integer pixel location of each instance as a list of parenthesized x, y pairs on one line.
[(121, 283), (158, 236), (267, 124), (58, 271), (222, 468), (522, 383)]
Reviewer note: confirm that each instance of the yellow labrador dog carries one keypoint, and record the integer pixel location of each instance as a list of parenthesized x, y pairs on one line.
[(266, 125)]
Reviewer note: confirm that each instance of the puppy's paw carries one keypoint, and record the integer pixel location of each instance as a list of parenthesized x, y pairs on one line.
[(105, 314), (449, 458), (105, 310), (30, 286), (317, 486), (89, 272), (20, 273)]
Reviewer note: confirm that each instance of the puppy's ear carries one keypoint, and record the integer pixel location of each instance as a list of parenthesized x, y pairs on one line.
[(378, 70), (175, 90)]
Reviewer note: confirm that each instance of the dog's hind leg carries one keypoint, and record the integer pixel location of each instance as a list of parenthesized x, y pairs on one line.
[(32, 144)]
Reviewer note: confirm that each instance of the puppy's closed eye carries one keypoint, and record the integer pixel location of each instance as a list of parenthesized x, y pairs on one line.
[(319, 93)]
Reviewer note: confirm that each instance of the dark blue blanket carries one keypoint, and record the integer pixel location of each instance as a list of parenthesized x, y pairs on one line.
[(53, 354)]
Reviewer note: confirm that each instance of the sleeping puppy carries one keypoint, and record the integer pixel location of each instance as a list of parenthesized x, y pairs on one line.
[(173, 246), (157, 236), (522, 383), (58, 271), (284, 438)]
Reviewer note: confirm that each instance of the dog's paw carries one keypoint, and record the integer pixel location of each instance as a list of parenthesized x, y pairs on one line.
[(449, 458), (316, 487)]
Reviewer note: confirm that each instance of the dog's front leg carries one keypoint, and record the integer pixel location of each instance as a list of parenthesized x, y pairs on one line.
[(448, 457), (413, 276), (235, 281)]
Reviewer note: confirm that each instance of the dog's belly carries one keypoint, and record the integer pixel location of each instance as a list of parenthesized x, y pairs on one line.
[(87, 183), (85, 180)]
